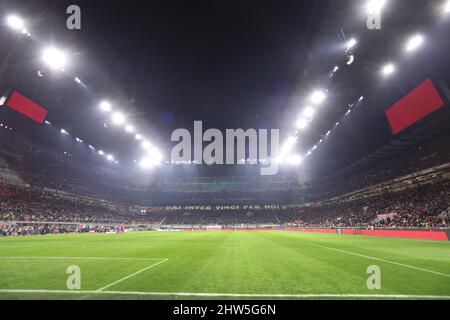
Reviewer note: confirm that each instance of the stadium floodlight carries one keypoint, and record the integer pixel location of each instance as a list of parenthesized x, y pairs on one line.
[(54, 58), (361, 98), (105, 106), (146, 163), (63, 131), (302, 123), (414, 43), (318, 96), (308, 112), (153, 160), (294, 160), (156, 155), (287, 146), (138, 137), (110, 157), (388, 69), (328, 133), (146, 145), (351, 43), (2, 100), (100, 152), (375, 6), (118, 118), (16, 23), (78, 139), (447, 7), (91, 147), (129, 128)]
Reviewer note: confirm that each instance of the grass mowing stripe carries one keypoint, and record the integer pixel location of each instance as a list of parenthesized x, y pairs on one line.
[(383, 260), (235, 295), (131, 275)]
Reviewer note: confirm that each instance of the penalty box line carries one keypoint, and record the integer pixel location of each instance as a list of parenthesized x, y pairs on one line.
[(130, 275), (383, 260), (231, 295)]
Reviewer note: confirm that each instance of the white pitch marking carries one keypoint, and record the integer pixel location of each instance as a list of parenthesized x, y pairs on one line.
[(131, 275), (383, 260), (80, 258), (236, 295)]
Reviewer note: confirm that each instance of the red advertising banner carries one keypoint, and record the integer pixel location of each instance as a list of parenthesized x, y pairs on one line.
[(419, 103), (27, 107)]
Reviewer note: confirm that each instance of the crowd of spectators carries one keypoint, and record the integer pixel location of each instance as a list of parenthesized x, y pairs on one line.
[(425, 156), (29, 205), (424, 206)]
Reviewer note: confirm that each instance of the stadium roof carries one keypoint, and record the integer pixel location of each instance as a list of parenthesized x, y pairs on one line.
[(417, 136)]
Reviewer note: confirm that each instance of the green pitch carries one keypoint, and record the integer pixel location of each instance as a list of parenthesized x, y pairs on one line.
[(222, 265)]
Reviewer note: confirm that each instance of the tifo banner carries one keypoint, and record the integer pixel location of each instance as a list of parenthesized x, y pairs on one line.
[(227, 207), (415, 106)]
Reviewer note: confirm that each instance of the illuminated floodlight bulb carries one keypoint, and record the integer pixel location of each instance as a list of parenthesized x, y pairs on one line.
[(118, 118), (375, 6), (294, 160), (388, 69), (302, 123), (15, 23), (146, 145), (110, 157), (351, 43), (105, 106), (318, 96), (129, 128), (54, 58), (308, 112), (138, 137), (414, 43)]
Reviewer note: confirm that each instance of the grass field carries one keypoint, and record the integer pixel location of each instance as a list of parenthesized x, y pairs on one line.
[(222, 265)]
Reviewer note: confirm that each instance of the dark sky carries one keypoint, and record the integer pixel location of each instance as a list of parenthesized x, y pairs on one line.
[(230, 64)]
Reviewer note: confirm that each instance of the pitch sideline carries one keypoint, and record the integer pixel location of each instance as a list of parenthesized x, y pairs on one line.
[(232, 295)]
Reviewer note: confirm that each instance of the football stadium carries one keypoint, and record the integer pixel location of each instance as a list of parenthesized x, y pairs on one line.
[(225, 150)]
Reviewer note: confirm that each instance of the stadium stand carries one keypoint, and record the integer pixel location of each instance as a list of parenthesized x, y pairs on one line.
[(47, 191)]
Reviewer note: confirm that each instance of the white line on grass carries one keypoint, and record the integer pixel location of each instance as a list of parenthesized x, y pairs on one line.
[(131, 275), (232, 295), (384, 260), (80, 258)]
